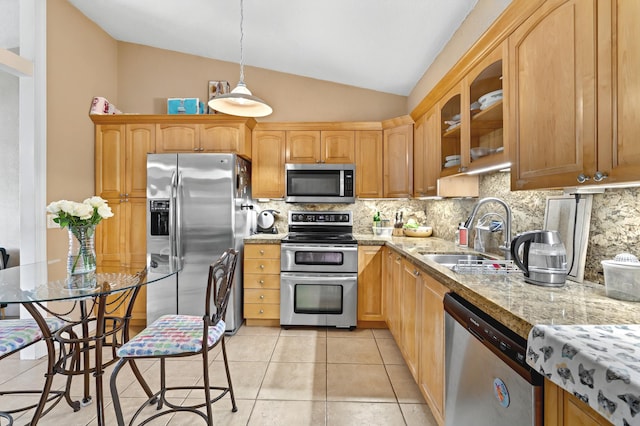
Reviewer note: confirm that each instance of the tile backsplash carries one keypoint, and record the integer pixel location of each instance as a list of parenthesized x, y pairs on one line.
[(615, 216)]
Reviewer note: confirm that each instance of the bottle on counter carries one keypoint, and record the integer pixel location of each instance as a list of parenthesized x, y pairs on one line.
[(376, 219), (462, 235)]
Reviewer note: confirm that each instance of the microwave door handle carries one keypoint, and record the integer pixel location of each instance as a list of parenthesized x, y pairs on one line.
[(172, 216), (342, 183)]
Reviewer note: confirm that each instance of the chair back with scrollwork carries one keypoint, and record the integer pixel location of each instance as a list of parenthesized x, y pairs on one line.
[(221, 276)]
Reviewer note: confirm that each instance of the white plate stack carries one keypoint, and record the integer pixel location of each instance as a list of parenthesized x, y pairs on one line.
[(452, 160)]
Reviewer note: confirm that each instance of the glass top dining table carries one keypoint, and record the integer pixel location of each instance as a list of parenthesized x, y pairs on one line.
[(47, 281), (101, 325)]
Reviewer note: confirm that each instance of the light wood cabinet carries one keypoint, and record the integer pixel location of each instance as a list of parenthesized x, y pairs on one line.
[(398, 159), (370, 294), (393, 292), (453, 159), (121, 179), (267, 168), (485, 133), (121, 165), (431, 367), (262, 284), (320, 146), (303, 146), (564, 409), (618, 85), (121, 159), (338, 146), (426, 154), (410, 315), (230, 136), (369, 175), (552, 84)]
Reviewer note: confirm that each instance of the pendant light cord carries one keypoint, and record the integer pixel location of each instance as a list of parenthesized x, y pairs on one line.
[(241, 40)]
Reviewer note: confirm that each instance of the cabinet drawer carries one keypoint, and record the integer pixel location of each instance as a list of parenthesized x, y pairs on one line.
[(254, 295), (259, 251), (270, 281), (262, 266), (262, 311)]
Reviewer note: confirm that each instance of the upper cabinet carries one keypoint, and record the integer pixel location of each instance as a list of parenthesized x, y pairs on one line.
[(619, 84), (398, 158), (426, 154), (315, 146), (267, 166), (451, 153), (485, 112), (369, 177), (552, 85), (225, 137)]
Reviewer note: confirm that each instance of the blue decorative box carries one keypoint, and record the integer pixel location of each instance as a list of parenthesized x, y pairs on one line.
[(183, 106)]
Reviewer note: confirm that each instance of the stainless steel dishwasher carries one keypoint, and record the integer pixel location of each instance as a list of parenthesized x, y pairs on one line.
[(488, 381)]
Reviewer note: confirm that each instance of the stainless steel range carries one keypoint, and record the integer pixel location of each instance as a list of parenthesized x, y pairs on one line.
[(319, 270)]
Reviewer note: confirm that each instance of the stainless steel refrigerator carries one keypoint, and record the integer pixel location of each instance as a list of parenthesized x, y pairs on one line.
[(197, 207)]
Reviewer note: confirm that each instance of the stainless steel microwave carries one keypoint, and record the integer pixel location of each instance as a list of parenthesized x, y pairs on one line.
[(320, 183)]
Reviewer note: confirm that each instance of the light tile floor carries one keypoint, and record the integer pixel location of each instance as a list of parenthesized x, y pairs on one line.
[(280, 377)]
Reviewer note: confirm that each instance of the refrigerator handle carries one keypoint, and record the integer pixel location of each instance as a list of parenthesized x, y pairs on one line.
[(178, 238), (172, 216)]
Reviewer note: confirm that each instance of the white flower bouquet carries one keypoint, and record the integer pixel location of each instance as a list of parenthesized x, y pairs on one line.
[(81, 219), (70, 213)]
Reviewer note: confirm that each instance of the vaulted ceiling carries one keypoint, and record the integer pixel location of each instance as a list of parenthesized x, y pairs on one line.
[(382, 45)]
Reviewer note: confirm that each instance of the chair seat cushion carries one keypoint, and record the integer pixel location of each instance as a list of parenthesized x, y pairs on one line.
[(171, 335), (19, 333)]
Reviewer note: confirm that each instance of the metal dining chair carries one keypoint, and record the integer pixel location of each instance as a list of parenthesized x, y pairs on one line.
[(172, 336), (17, 334)]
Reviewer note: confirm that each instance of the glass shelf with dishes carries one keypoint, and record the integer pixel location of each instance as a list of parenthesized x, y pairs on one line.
[(486, 112), (451, 135)]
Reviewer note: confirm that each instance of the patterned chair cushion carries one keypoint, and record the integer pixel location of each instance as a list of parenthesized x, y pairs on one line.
[(171, 335), (19, 333)]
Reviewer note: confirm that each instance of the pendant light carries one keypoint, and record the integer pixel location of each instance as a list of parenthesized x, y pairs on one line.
[(240, 101)]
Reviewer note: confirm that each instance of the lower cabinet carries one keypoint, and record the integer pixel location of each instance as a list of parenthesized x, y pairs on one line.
[(431, 367), (415, 316), (262, 284), (410, 315), (370, 295), (564, 409)]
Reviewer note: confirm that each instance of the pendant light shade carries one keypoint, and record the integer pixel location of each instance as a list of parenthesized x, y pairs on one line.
[(241, 101)]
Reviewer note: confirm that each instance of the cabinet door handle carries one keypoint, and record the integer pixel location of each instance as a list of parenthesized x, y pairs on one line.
[(262, 311), (416, 272), (261, 266), (261, 296), (582, 178), (600, 176), (195, 149), (261, 282), (261, 251)]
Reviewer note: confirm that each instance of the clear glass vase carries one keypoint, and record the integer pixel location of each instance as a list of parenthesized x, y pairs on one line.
[(81, 261)]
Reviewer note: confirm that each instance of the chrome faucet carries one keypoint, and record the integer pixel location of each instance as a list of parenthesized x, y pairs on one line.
[(506, 247)]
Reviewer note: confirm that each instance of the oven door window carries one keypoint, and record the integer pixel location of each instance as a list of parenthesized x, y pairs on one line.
[(319, 258), (310, 183), (318, 299)]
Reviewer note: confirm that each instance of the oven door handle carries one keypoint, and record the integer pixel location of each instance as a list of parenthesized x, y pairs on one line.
[(323, 248), (304, 277)]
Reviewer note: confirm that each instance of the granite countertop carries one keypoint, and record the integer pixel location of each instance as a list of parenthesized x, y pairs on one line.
[(507, 298), (516, 304)]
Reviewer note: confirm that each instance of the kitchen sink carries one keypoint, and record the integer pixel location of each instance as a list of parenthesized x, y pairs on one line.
[(451, 259)]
